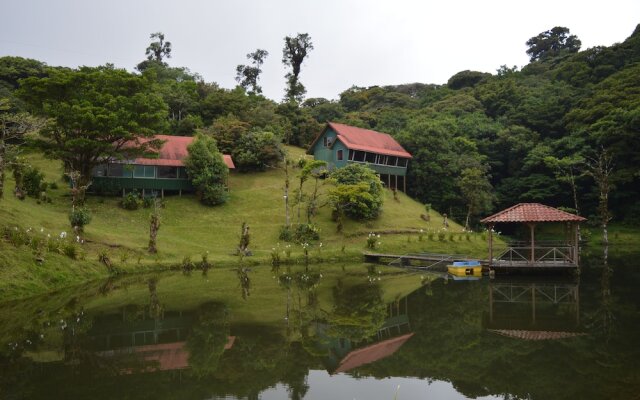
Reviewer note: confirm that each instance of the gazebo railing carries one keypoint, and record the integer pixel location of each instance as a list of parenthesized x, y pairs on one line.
[(543, 255)]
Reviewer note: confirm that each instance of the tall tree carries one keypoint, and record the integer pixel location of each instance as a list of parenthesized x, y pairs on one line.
[(159, 49), (96, 114), (551, 43), (600, 168), (476, 192), (293, 54), (247, 75)]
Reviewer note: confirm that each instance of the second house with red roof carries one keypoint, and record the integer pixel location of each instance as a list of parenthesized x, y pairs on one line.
[(340, 145)]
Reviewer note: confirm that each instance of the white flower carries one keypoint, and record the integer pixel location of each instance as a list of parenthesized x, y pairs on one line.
[(41, 229), (63, 235)]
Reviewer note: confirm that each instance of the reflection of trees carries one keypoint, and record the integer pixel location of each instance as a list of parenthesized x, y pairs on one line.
[(358, 311), (602, 320), (208, 337)]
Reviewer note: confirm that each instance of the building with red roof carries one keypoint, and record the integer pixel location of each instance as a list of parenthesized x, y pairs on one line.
[(157, 171), (340, 145)]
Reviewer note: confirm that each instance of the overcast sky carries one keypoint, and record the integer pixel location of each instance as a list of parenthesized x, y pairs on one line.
[(356, 42)]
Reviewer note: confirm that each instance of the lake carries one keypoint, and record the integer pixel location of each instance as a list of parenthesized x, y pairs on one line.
[(330, 332)]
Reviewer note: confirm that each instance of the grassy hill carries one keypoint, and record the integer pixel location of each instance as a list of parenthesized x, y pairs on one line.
[(190, 229)]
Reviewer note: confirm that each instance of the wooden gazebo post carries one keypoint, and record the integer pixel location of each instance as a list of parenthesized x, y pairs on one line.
[(490, 227), (532, 228)]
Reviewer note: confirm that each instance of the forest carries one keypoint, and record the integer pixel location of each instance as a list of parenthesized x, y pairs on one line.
[(561, 130)]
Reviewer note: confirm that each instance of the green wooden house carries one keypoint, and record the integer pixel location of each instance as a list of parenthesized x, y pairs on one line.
[(163, 172), (340, 145)]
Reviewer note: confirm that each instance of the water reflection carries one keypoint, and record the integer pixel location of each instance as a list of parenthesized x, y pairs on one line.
[(307, 332), (535, 310)]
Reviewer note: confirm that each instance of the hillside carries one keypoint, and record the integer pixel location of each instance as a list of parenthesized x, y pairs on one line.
[(190, 230)]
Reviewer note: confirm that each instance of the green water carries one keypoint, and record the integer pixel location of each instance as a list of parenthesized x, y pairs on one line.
[(329, 332)]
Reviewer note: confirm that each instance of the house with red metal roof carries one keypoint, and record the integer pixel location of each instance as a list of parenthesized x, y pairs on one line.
[(160, 170), (340, 145)]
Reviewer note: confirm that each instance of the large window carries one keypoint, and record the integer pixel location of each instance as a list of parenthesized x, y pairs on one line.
[(168, 172), (144, 171), (402, 162), (371, 158), (100, 170), (339, 155)]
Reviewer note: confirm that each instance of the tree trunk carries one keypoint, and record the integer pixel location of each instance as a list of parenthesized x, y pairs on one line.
[(466, 223), (3, 163)]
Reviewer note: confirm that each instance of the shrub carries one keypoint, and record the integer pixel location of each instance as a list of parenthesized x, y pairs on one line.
[(301, 233), (207, 170), (358, 192), (147, 202), (441, 236), (33, 181), (372, 240), (131, 201), (286, 233), (79, 217)]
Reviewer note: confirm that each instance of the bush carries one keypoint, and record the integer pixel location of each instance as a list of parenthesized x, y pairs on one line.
[(301, 233), (207, 170), (214, 195), (70, 250), (79, 217), (358, 193), (147, 202), (131, 201), (33, 181), (286, 233), (441, 236)]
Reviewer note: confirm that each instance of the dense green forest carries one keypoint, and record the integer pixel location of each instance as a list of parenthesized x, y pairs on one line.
[(561, 130)]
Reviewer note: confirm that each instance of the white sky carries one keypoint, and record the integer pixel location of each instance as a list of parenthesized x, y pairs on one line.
[(356, 42)]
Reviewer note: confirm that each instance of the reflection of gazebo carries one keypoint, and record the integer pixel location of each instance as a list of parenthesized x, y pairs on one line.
[(541, 310), (535, 254)]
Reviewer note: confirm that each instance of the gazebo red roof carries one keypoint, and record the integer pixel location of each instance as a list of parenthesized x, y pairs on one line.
[(532, 212), (173, 152), (365, 140)]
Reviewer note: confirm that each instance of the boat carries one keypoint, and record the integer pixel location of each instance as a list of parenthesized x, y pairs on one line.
[(465, 268)]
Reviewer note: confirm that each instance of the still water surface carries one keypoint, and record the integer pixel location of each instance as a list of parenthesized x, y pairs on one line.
[(329, 333)]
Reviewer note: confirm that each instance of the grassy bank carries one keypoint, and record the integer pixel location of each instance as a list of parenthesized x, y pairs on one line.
[(190, 230)]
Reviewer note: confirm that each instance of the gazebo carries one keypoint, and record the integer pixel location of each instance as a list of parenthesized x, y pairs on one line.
[(531, 254)]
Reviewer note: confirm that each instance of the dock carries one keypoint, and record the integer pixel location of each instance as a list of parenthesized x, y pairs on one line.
[(512, 260)]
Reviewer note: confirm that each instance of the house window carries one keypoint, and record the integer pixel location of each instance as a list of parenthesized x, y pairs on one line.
[(100, 170), (168, 172), (359, 156), (351, 154), (391, 160), (339, 155), (144, 171), (327, 141), (371, 158), (402, 162)]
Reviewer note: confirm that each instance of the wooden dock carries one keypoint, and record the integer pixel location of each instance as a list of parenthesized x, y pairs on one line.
[(550, 262), (418, 260)]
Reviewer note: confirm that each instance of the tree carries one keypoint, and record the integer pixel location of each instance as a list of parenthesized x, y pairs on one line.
[(13, 127), (600, 168), (96, 114), (293, 54), (551, 43), (207, 170), (247, 75), (358, 192), (159, 49), (476, 192)]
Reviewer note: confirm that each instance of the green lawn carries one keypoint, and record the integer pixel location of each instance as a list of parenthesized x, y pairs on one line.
[(190, 229)]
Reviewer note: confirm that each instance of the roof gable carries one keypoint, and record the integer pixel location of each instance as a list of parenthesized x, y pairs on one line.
[(532, 212), (364, 140)]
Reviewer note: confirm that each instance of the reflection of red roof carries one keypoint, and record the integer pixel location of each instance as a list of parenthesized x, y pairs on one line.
[(365, 140), (374, 352), (168, 356), (173, 152), (536, 335), (532, 212)]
